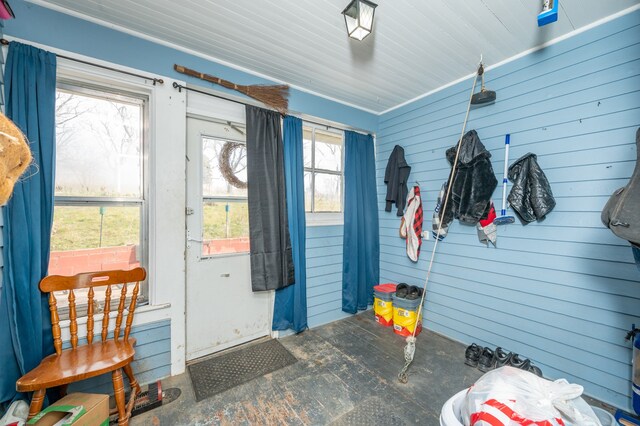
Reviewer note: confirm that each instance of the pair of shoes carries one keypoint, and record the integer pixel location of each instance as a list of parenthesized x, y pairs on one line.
[(409, 292), (487, 359), (496, 359), (483, 358)]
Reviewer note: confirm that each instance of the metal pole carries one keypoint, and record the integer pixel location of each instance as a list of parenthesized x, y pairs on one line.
[(102, 209), (228, 226)]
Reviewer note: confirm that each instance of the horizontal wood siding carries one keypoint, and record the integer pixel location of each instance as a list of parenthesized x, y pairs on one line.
[(324, 274), (152, 361), (564, 291)]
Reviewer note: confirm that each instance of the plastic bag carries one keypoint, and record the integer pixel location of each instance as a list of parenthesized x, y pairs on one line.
[(509, 396)]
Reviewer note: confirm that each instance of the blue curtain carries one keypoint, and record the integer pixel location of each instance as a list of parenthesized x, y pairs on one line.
[(361, 245), (290, 308), (25, 326)]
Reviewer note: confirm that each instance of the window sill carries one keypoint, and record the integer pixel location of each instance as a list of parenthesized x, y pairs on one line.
[(143, 315), (324, 219)]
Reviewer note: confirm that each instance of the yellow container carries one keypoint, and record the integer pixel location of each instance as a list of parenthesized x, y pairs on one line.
[(405, 316), (383, 310), (383, 303)]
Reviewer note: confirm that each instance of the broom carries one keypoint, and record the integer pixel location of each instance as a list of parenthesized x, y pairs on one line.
[(273, 96)]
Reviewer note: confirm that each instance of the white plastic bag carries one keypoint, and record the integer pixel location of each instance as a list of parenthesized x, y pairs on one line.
[(509, 396)]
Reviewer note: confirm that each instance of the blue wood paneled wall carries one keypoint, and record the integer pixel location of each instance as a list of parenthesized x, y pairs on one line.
[(1, 247), (152, 360), (324, 274), (562, 292)]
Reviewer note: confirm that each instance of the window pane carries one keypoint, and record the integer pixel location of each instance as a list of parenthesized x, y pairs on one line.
[(307, 134), (307, 191), (328, 151), (224, 168), (98, 145), (92, 238), (327, 197), (225, 227)]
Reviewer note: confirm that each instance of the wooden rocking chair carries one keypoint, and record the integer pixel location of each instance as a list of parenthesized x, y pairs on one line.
[(95, 358)]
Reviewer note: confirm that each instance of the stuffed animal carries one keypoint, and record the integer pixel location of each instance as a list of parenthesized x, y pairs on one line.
[(15, 156)]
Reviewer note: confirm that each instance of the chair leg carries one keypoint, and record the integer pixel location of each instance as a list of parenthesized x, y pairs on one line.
[(118, 389), (36, 402), (132, 379), (135, 388)]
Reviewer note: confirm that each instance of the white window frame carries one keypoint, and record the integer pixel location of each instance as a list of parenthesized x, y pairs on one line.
[(85, 85), (314, 218)]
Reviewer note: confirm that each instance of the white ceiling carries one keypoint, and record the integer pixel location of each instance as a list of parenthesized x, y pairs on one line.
[(417, 45)]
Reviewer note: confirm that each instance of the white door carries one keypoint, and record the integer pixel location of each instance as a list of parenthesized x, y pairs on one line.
[(222, 311)]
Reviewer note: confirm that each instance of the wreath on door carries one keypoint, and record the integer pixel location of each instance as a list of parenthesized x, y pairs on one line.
[(225, 164)]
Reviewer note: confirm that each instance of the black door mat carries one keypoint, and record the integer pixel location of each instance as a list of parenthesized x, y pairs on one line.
[(214, 375), (373, 411)]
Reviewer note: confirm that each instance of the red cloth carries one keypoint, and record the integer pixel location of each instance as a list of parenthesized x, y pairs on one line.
[(5, 11), (490, 217), (411, 224)]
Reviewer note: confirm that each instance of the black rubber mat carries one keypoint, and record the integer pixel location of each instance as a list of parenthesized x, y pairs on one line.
[(373, 411), (217, 374)]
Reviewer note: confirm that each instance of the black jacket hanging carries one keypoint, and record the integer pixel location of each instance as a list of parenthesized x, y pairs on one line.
[(531, 195), (473, 181), (396, 177)]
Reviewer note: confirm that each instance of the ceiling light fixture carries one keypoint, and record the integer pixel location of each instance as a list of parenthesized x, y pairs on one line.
[(358, 16)]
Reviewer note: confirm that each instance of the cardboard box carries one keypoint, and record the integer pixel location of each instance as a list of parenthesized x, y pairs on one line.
[(77, 409)]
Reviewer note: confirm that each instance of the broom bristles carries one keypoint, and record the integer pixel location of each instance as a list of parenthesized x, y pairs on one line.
[(275, 96)]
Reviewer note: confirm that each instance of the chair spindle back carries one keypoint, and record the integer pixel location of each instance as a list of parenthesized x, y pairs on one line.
[(91, 280)]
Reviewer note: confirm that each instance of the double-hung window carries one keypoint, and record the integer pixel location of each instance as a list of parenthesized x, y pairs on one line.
[(100, 212), (323, 170)]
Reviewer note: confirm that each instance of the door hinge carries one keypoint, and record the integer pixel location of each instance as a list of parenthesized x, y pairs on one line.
[(188, 211)]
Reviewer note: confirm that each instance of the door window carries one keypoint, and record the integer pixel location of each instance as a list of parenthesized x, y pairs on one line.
[(225, 212)]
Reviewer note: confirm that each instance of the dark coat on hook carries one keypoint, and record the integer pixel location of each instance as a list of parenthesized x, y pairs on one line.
[(473, 181), (531, 195), (396, 177), (620, 214)]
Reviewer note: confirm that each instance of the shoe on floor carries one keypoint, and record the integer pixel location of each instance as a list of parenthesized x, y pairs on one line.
[(502, 358), (525, 364), (518, 362), (535, 370), (401, 290), (472, 354), (414, 293), (486, 361)]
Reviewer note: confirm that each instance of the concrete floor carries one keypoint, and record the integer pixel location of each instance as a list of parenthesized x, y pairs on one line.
[(346, 374)]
